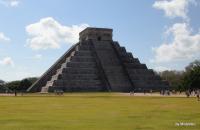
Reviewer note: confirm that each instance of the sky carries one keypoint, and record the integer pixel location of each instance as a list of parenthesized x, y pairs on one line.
[(163, 34)]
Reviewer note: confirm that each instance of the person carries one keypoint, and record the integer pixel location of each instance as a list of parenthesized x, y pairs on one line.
[(151, 91), (187, 93), (144, 91), (15, 93), (168, 92), (132, 92), (161, 92), (198, 95)]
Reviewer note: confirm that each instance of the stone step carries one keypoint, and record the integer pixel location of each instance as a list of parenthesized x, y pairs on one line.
[(103, 45), (116, 77), (135, 66), (110, 61), (84, 47), (78, 76), (54, 77), (124, 54), (116, 44), (113, 69), (130, 60), (77, 48), (72, 70), (59, 71), (68, 58), (77, 88), (85, 43), (140, 71), (44, 89), (82, 59), (84, 53), (122, 49), (64, 65), (77, 82), (49, 83), (72, 54), (82, 64)]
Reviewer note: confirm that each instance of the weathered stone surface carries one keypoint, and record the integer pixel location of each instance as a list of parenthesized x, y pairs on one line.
[(97, 63)]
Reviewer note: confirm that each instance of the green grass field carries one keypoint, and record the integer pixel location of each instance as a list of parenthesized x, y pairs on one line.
[(98, 111)]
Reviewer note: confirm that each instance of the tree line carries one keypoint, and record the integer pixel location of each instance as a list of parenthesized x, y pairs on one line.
[(19, 85), (189, 79)]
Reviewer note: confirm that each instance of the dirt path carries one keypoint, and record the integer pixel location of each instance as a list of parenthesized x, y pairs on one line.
[(112, 94), (156, 95)]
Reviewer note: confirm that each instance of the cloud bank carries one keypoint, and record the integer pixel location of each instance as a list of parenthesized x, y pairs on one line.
[(184, 44), (174, 8), (49, 33)]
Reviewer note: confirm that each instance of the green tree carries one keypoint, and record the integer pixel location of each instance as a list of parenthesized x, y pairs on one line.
[(192, 65), (24, 84), (192, 76), (13, 85)]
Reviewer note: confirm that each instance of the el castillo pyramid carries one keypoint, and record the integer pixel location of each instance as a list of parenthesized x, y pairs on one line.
[(97, 63)]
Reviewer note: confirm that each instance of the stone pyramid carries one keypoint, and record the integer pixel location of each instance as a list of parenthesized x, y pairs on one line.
[(97, 63)]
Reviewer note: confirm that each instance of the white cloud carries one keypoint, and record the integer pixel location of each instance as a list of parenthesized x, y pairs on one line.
[(14, 3), (4, 38), (7, 61), (48, 33), (10, 3), (161, 68), (184, 45), (174, 8)]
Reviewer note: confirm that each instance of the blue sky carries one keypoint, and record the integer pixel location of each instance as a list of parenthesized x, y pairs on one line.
[(162, 34)]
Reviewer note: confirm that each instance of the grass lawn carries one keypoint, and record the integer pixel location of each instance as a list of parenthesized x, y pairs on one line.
[(98, 111)]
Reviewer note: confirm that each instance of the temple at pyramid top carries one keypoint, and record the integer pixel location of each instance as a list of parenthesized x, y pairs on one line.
[(97, 63), (98, 34)]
